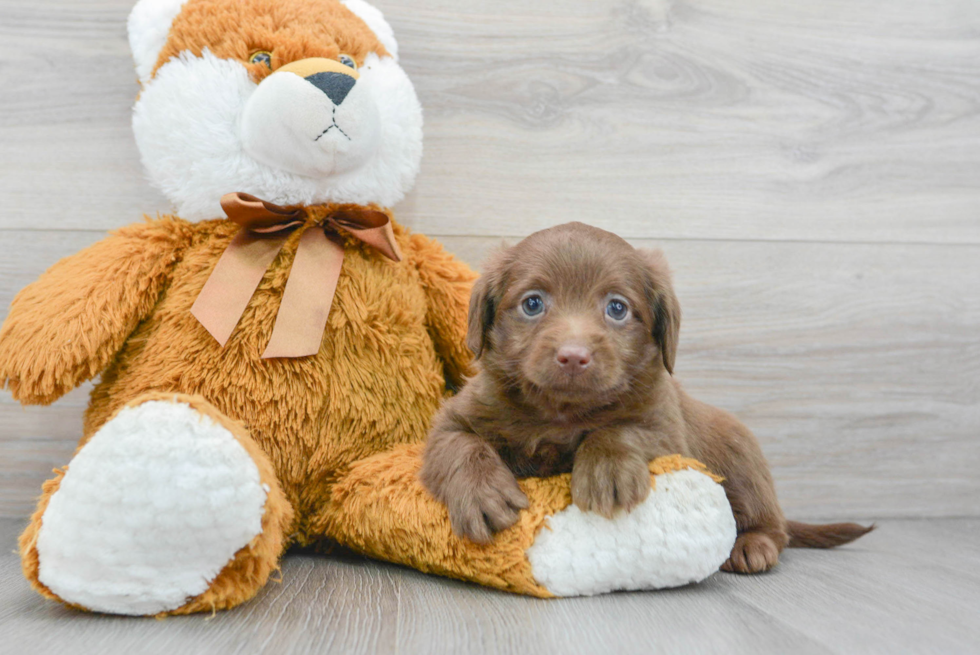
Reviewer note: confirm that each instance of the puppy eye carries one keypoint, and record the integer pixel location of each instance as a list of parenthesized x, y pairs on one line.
[(532, 305), (261, 57), (617, 309), (347, 60)]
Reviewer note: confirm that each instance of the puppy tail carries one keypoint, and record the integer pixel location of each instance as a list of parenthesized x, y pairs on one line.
[(807, 535)]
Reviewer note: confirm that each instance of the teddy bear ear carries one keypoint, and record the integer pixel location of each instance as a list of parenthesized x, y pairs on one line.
[(149, 26), (374, 19)]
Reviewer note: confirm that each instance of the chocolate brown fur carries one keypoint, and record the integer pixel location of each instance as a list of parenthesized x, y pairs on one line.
[(578, 389)]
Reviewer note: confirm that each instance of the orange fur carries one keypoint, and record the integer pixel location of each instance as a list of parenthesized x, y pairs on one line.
[(234, 29), (68, 325), (394, 330)]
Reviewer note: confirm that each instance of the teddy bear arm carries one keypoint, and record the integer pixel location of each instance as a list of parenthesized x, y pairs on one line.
[(681, 533), (447, 283), (66, 327)]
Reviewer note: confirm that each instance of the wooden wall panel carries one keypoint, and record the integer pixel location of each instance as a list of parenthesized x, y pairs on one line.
[(838, 120), (811, 169)]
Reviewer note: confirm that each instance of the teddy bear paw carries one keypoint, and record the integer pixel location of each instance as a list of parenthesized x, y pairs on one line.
[(149, 512), (680, 534)]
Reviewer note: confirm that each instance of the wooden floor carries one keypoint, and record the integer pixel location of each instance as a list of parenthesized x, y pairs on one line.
[(909, 587)]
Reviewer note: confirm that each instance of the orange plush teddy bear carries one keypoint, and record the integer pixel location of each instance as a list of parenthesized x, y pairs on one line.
[(267, 378)]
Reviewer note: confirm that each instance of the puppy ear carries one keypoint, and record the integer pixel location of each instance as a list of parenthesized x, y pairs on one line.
[(483, 310), (665, 308), (484, 301)]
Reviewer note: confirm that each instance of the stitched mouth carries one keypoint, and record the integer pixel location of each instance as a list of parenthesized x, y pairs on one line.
[(333, 126)]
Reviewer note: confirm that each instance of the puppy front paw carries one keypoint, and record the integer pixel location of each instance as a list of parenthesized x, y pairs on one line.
[(604, 482), (484, 502)]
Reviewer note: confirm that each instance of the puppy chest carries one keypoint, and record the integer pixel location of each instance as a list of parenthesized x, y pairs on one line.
[(541, 450)]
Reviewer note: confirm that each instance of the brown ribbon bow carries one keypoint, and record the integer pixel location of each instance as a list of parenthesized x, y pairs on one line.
[(313, 277)]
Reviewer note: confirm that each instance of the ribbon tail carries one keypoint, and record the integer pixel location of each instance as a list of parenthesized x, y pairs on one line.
[(380, 238), (307, 298), (234, 279), (371, 226)]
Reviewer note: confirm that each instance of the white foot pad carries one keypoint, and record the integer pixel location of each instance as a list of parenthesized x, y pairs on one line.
[(680, 534), (150, 511)]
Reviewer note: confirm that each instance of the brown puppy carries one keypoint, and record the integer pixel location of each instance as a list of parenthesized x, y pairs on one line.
[(575, 332)]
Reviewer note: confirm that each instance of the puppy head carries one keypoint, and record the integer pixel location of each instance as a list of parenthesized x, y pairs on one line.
[(574, 314)]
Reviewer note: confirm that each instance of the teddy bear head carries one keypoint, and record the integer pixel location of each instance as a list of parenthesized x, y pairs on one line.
[(297, 102)]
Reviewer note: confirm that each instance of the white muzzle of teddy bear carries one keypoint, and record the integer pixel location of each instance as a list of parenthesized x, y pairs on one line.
[(312, 118)]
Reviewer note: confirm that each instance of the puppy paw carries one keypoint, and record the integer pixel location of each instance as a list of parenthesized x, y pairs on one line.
[(604, 482), (753, 552), (484, 502)]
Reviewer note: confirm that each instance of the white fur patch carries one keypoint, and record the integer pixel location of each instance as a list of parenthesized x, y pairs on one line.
[(149, 27), (188, 123), (290, 124), (680, 534), (374, 19), (149, 512)]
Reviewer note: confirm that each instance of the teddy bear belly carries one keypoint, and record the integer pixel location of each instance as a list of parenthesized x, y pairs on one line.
[(373, 385)]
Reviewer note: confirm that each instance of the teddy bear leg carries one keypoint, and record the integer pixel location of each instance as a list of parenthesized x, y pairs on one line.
[(680, 534), (169, 508)]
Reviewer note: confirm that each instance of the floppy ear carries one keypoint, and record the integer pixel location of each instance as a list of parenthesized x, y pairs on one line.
[(664, 306), (484, 302), (482, 312)]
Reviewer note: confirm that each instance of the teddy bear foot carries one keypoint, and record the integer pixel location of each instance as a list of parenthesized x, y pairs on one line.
[(680, 534), (169, 507)]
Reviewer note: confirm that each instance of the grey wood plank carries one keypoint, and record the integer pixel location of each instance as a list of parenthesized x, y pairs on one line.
[(444, 616), (322, 605), (828, 121), (868, 597), (948, 544), (701, 119), (863, 598), (855, 365)]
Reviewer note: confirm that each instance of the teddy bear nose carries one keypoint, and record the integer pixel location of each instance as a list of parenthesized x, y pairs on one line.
[(335, 85), (573, 359)]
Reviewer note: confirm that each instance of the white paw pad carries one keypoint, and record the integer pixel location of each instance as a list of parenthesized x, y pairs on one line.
[(151, 509), (680, 534)]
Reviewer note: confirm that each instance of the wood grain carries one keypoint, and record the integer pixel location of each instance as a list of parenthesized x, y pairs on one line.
[(887, 593), (834, 121)]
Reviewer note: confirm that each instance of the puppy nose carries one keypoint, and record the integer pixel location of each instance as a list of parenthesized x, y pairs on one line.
[(573, 358), (335, 85)]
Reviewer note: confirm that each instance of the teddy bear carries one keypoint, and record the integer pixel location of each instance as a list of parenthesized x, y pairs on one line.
[(270, 355)]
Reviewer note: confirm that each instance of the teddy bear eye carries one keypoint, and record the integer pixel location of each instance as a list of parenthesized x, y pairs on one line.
[(261, 57), (347, 60)]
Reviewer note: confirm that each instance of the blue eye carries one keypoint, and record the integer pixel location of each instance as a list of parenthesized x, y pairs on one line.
[(532, 305), (617, 309)]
